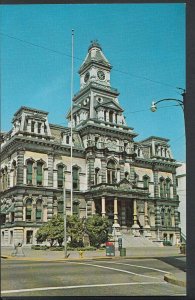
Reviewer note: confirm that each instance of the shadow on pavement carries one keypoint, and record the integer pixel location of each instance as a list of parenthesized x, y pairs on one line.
[(175, 261)]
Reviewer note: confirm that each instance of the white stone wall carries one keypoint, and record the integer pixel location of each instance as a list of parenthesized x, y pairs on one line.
[(181, 191)]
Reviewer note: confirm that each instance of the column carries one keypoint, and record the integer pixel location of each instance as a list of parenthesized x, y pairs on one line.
[(103, 170), (103, 207), (29, 125), (20, 167), (18, 208), (50, 169), (132, 173), (122, 172), (174, 186), (156, 188), (115, 210), (36, 127), (135, 227), (91, 171), (92, 207), (49, 207), (147, 226)]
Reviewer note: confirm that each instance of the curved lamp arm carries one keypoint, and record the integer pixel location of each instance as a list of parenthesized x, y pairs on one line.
[(153, 107)]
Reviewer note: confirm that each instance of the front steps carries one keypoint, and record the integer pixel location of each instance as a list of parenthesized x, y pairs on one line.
[(139, 241)]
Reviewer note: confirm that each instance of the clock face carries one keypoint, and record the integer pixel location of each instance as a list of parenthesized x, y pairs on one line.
[(101, 75), (86, 78)]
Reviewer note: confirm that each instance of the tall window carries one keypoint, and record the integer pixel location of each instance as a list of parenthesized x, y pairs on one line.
[(29, 210), (14, 172), (111, 116), (104, 115), (75, 175), (97, 175), (39, 127), (169, 217), (168, 188), (75, 208), (163, 217), (146, 182), (39, 176), (60, 207), (60, 176), (29, 172), (39, 210), (162, 187), (111, 172), (32, 126), (67, 139)]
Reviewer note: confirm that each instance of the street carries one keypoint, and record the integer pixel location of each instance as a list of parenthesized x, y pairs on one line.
[(121, 277)]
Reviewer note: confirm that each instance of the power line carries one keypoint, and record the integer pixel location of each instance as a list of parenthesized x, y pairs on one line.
[(69, 55)]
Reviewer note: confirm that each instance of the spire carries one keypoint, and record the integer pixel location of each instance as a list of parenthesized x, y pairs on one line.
[(94, 56), (94, 44)]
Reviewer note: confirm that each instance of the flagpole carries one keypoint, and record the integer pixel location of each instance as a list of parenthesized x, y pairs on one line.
[(71, 146)]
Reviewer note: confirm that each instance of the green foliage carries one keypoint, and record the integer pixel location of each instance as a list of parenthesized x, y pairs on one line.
[(97, 229), (52, 231), (75, 230), (39, 247)]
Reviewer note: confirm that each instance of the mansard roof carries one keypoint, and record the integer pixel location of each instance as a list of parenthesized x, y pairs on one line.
[(95, 56), (30, 109), (155, 138)]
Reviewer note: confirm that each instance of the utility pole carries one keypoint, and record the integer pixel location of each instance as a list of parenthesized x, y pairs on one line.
[(71, 121), (65, 237)]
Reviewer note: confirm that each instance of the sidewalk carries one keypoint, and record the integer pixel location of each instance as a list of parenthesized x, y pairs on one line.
[(179, 278)]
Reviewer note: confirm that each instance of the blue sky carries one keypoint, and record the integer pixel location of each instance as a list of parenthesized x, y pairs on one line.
[(145, 44)]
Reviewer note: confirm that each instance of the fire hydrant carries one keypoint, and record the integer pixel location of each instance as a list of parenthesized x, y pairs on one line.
[(81, 253)]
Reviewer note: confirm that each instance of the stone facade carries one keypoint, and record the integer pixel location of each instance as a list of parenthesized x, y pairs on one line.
[(133, 183)]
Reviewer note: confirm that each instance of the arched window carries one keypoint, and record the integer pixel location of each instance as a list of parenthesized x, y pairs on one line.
[(75, 208), (75, 177), (169, 217), (14, 172), (146, 181), (60, 207), (67, 139), (60, 172), (162, 187), (97, 170), (39, 176), (29, 210), (39, 210), (127, 175), (163, 217), (111, 172), (29, 172), (168, 188)]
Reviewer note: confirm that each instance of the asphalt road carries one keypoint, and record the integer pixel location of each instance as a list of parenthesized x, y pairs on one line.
[(124, 277)]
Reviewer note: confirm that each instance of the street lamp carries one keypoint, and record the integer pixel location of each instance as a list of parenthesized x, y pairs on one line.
[(153, 107)]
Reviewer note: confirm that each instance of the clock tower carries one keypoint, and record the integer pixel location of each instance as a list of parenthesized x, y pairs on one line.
[(95, 67)]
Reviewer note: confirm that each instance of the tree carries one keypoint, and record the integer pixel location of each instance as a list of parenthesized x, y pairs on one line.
[(52, 231), (97, 229), (75, 230)]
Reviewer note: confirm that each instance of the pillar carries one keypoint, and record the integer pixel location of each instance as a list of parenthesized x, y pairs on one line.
[(92, 207), (18, 215), (135, 227), (147, 226), (20, 167), (174, 186), (50, 169), (103, 170), (90, 171), (115, 210), (49, 207), (103, 207), (156, 187)]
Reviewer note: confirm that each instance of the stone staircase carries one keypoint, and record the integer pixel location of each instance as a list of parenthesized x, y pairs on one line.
[(132, 241)]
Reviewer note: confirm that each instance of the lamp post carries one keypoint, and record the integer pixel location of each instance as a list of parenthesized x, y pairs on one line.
[(181, 103)]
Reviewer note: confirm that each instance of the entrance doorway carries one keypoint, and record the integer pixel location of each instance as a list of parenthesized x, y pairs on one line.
[(29, 237)]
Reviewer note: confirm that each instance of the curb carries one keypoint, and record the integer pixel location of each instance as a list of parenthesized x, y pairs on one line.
[(78, 258), (172, 279)]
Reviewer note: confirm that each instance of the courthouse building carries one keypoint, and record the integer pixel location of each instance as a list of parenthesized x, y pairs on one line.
[(131, 182)]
